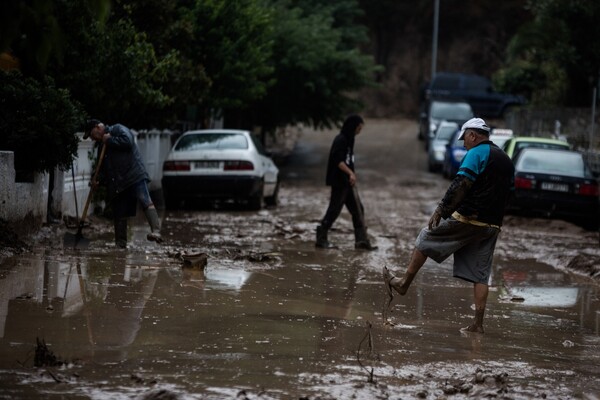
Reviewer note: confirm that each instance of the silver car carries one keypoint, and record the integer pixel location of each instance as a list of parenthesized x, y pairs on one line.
[(437, 146), (220, 164)]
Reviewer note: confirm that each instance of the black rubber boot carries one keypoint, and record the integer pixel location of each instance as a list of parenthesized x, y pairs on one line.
[(154, 221), (362, 240), (322, 241), (121, 233)]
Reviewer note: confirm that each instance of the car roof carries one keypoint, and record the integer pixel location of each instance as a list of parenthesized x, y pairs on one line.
[(205, 131), (535, 139), (447, 123)]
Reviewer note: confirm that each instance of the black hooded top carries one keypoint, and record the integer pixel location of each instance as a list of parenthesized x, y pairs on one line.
[(342, 150)]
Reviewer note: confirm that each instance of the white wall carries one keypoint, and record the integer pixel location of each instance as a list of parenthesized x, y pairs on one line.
[(20, 201)]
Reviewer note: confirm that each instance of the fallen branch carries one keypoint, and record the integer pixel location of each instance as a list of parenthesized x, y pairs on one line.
[(369, 338)]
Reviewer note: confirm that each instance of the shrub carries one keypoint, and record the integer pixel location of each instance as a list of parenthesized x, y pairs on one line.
[(38, 122)]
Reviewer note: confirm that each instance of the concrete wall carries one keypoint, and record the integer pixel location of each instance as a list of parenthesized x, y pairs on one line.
[(25, 203), (29, 201)]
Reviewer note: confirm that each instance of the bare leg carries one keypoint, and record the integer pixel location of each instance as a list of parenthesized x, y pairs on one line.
[(416, 262), (480, 294)]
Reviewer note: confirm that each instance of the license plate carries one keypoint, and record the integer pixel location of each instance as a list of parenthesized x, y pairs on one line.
[(555, 187), (206, 164)]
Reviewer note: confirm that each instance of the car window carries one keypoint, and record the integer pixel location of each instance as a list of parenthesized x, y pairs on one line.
[(445, 82), (555, 162), (478, 84), (445, 132), (207, 141), (258, 145), (454, 111), (458, 143), (538, 145)]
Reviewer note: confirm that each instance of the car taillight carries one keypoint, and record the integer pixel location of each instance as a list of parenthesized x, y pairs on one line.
[(238, 166), (523, 183), (588, 189), (176, 166)]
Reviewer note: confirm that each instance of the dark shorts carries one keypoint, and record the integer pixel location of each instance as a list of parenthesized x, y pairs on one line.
[(473, 248)]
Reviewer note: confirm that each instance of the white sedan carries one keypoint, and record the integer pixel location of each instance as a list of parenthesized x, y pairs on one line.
[(219, 164)]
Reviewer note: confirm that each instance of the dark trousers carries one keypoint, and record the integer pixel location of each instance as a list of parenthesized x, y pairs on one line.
[(340, 196)]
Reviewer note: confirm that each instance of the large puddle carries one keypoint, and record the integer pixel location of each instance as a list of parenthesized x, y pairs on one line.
[(133, 323), (271, 317)]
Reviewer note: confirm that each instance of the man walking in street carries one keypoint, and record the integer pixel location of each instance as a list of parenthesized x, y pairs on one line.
[(125, 176), (342, 179), (472, 211)]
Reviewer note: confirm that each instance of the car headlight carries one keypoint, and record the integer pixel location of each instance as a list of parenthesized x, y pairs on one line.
[(439, 155), (432, 127)]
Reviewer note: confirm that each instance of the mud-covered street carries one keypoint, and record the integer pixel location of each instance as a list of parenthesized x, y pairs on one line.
[(273, 317)]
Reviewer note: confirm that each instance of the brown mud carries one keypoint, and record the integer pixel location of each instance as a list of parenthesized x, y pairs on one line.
[(258, 312)]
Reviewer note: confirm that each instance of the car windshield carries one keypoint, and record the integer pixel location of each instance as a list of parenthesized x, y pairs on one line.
[(566, 163), (445, 132), (211, 141), (458, 143), (460, 111)]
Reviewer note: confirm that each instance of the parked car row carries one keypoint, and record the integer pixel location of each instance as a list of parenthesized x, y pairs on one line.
[(550, 178)]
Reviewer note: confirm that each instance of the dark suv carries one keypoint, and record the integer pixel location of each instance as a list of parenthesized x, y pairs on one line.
[(475, 90)]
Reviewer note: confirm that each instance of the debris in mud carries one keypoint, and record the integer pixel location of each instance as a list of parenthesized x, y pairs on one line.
[(369, 345), (44, 357), (160, 394), (198, 260), (585, 264), (263, 256), (190, 259)]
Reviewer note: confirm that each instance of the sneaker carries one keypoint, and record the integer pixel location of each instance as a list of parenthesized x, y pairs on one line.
[(154, 237)]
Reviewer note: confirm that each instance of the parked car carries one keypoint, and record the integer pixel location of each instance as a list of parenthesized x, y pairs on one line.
[(455, 152), (439, 110), (500, 136), (515, 144), (219, 164), (475, 90), (555, 182), (437, 147)]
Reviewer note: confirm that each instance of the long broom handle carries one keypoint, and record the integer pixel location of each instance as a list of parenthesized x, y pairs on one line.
[(74, 189), (89, 198)]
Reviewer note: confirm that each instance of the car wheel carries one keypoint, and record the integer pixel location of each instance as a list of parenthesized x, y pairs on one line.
[(171, 202), (272, 200), (255, 201)]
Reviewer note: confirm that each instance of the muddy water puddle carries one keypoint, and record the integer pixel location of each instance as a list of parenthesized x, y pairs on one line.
[(133, 324)]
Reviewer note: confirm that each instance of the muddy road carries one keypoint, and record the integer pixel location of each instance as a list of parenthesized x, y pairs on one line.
[(272, 317)]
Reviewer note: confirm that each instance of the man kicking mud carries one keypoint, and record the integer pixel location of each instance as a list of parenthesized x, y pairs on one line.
[(472, 211)]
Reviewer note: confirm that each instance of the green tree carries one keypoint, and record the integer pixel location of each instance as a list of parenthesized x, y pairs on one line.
[(233, 41), (112, 69), (37, 122), (556, 57), (33, 31), (318, 66)]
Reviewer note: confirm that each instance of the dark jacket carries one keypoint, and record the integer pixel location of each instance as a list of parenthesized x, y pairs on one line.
[(122, 165), (482, 186), (342, 150)]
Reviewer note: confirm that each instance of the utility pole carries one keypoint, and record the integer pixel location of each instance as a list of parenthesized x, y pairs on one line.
[(591, 148), (434, 46)]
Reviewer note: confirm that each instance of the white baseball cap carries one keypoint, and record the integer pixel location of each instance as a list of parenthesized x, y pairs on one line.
[(474, 123)]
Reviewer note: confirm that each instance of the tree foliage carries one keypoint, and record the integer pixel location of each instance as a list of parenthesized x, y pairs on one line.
[(37, 122), (555, 59), (317, 65)]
